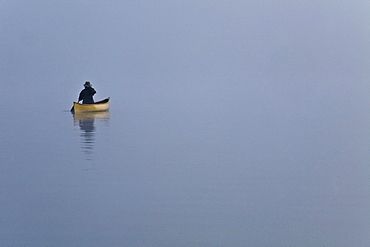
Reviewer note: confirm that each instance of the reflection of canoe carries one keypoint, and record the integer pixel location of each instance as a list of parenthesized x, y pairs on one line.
[(102, 105), (91, 116)]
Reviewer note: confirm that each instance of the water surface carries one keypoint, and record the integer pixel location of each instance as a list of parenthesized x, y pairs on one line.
[(185, 172)]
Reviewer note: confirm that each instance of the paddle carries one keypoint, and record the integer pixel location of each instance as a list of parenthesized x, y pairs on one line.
[(73, 108)]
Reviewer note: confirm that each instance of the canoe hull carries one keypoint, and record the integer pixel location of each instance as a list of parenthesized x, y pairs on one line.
[(102, 105)]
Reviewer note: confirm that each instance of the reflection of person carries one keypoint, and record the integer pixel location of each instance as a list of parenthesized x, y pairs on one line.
[(87, 94), (87, 137)]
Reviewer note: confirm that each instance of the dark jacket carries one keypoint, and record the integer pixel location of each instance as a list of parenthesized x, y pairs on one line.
[(86, 95)]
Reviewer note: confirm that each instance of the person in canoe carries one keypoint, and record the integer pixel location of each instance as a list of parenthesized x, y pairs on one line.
[(86, 95)]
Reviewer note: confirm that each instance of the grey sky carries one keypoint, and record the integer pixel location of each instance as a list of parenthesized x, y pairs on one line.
[(287, 44)]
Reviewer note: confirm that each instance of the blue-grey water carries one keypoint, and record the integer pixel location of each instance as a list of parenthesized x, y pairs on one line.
[(232, 123), (227, 170)]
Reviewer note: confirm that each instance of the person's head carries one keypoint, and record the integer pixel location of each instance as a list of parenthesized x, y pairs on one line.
[(87, 84)]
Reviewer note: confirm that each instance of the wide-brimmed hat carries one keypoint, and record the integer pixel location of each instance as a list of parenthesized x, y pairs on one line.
[(87, 84)]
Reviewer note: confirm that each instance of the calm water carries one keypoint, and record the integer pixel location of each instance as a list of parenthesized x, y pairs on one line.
[(184, 169), (233, 124)]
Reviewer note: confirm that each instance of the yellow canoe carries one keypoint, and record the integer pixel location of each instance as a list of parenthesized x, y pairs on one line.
[(102, 105)]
